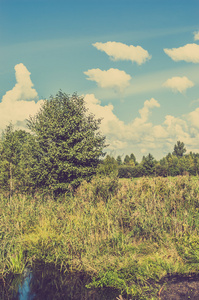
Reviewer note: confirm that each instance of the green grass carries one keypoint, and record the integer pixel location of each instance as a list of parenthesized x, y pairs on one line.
[(126, 234)]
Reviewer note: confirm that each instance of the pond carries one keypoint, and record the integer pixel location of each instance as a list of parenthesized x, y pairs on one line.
[(45, 282)]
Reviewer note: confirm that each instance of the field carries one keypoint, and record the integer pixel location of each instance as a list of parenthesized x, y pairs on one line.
[(126, 234)]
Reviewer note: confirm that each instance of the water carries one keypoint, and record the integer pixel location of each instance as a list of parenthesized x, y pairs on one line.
[(47, 283)]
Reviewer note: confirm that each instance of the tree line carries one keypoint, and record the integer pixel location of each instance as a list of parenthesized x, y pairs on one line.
[(173, 164), (63, 146)]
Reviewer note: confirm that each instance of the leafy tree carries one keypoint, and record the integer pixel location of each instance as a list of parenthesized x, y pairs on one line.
[(179, 149), (119, 160), (12, 146), (133, 159), (161, 170), (125, 171), (69, 144), (148, 164), (108, 165), (127, 159), (173, 165)]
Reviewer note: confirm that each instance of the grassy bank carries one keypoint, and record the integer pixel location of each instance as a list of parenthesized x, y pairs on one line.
[(126, 234)]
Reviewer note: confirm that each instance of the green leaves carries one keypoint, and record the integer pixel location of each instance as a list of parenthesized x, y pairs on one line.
[(68, 143)]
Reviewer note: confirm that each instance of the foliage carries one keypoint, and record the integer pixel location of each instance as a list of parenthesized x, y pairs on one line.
[(133, 234), (69, 144), (179, 149), (119, 160), (148, 164), (108, 165), (14, 153)]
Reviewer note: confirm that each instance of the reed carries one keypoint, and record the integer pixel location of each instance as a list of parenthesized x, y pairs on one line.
[(126, 234)]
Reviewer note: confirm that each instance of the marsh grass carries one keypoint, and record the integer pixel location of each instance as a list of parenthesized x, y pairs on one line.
[(125, 234)]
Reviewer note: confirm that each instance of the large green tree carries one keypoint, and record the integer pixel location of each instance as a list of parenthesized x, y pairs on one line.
[(179, 149), (68, 143)]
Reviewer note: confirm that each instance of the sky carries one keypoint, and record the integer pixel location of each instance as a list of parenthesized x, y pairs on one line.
[(135, 62)]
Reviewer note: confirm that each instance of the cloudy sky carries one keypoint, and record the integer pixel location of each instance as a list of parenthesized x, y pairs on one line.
[(135, 61)]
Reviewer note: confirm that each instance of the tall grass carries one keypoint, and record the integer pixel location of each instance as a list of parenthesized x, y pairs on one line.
[(125, 234)]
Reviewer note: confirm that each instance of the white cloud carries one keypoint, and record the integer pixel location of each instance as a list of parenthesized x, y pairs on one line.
[(178, 84), (120, 135), (159, 132), (142, 136), (144, 112), (23, 89), (194, 117), (18, 103), (119, 51), (188, 53), (112, 78), (110, 123), (139, 135), (196, 36)]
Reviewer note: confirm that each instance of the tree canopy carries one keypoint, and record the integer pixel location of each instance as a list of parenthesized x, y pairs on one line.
[(68, 142), (179, 149)]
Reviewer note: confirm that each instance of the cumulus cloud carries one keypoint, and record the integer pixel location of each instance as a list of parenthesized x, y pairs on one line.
[(120, 135), (110, 123), (142, 136), (112, 78), (194, 117), (145, 111), (119, 51), (139, 135), (20, 102), (196, 36), (178, 84), (188, 53), (23, 89)]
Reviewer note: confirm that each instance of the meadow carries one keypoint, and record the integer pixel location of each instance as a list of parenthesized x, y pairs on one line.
[(126, 234)]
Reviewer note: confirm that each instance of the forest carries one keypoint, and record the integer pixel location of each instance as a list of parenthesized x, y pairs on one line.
[(21, 161), (173, 164)]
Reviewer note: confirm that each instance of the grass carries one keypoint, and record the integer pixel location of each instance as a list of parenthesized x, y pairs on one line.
[(126, 234)]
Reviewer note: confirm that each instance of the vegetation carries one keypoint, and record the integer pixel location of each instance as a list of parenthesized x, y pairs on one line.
[(124, 234), (63, 204), (63, 148), (171, 165)]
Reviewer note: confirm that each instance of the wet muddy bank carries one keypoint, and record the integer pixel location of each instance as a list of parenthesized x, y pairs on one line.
[(46, 282), (180, 287)]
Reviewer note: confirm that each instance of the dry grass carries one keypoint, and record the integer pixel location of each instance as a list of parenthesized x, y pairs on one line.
[(125, 234)]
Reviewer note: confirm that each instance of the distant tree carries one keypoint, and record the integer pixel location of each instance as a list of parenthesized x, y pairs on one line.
[(108, 165), (173, 165), (119, 160), (11, 155), (127, 159), (148, 164), (179, 149), (125, 171), (161, 170), (69, 144), (133, 158)]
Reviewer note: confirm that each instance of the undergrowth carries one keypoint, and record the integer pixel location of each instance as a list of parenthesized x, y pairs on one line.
[(125, 234)]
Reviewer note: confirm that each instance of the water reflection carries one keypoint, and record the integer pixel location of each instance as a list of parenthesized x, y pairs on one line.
[(42, 283)]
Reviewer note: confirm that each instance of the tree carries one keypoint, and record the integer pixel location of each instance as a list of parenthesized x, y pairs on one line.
[(108, 166), (126, 159), (12, 172), (68, 143), (179, 149), (119, 160), (148, 163), (133, 160)]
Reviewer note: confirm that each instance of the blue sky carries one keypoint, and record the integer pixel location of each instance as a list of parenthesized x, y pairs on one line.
[(135, 62)]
